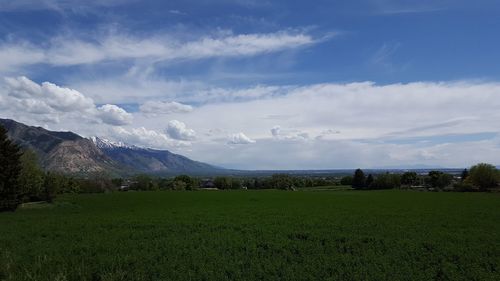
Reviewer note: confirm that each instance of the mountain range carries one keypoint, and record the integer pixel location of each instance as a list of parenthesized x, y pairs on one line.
[(67, 152)]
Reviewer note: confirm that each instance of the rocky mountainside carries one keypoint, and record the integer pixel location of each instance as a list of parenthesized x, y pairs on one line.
[(68, 152), (151, 160)]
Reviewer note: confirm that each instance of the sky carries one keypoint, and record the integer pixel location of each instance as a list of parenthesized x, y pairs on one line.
[(250, 84)]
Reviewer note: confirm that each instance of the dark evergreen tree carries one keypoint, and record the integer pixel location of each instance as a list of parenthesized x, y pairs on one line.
[(10, 167), (369, 181), (464, 175), (359, 179)]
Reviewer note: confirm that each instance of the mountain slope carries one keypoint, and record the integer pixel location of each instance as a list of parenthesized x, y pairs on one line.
[(152, 160), (67, 152), (64, 152)]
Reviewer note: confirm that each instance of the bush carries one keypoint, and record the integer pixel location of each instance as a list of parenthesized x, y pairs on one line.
[(484, 176), (347, 180), (190, 183), (31, 177), (282, 181), (223, 182), (386, 181), (409, 178), (438, 179), (463, 187)]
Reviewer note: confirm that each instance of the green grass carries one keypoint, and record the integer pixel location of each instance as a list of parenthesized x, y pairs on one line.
[(327, 188), (255, 235)]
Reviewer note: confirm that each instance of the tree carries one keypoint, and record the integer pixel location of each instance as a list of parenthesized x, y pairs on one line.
[(143, 182), (179, 185), (409, 178), (223, 182), (117, 182), (347, 180), (31, 177), (439, 179), (369, 181), (236, 183), (386, 181), (484, 176), (464, 175), (51, 185), (189, 182), (282, 181), (359, 179), (249, 183), (10, 167)]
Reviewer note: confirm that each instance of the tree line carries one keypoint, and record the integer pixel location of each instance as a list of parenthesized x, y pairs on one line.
[(185, 182), (480, 177)]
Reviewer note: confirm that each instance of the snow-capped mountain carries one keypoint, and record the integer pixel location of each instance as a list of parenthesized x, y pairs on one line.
[(149, 160), (67, 152), (107, 144)]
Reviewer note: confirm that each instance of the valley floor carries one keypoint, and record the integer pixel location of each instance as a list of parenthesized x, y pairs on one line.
[(255, 235)]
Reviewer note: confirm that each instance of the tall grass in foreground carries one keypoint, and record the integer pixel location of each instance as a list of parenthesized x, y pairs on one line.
[(255, 235)]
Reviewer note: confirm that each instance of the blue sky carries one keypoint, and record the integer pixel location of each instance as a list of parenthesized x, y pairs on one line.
[(408, 82), (381, 41)]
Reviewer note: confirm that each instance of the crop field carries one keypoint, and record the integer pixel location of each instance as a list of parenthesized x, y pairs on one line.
[(255, 235)]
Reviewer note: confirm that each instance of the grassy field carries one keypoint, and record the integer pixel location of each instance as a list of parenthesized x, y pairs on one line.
[(255, 235)]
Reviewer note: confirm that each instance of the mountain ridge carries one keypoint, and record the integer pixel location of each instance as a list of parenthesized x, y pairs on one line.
[(70, 153), (151, 160)]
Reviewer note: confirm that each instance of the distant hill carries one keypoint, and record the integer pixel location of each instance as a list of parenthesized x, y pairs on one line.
[(67, 152)]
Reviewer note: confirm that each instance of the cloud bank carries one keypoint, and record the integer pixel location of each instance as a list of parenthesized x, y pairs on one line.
[(326, 125)]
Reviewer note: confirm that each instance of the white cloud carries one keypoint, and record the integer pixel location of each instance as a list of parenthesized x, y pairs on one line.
[(59, 98), (34, 106), (321, 126), (240, 138), (178, 130), (22, 87), (288, 134), (145, 137), (67, 50), (160, 107), (52, 102), (65, 99), (114, 115), (16, 54)]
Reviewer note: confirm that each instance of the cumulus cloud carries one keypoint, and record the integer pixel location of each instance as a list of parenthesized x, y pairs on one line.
[(65, 99), (240, 138), (59, 98), (34, 106), (178, 130), (114, 115), (145, 137), (51, 102), (160, 107)]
